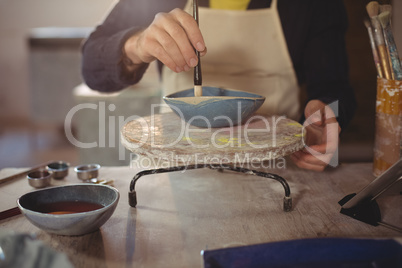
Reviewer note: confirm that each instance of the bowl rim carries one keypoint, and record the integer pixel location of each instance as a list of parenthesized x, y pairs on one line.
[(253, 97), (92, 167), (66, 164), (47, 174), (70, 215), (40, 179)]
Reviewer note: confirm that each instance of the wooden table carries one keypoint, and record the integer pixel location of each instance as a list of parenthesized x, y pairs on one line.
[(180, 214)]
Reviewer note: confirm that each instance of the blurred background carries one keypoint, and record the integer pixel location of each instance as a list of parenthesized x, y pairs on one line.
[(40, 83)]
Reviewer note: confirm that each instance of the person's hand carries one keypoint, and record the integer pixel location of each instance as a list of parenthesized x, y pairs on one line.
[(171, 38), (322, 137)]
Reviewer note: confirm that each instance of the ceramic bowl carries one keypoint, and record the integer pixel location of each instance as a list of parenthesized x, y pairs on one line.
[(39, 178), (58, 169), (36, 207), (217, 107), (87, 172)]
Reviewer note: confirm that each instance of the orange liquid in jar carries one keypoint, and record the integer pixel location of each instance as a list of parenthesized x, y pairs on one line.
[(69, 207)]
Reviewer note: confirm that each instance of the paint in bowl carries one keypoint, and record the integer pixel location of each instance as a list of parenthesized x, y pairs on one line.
[(217, 107)]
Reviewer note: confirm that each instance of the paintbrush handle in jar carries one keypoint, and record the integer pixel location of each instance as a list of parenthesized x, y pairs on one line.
[(384, 60), (382, 50), (393, 53), (375, 53)]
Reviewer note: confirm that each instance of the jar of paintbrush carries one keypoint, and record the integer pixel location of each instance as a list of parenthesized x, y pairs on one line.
[(388, 121)]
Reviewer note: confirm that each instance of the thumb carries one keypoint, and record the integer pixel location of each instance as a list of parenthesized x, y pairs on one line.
[(313, 117)]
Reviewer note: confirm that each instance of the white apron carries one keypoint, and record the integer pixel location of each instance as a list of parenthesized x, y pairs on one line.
[(246, 51)]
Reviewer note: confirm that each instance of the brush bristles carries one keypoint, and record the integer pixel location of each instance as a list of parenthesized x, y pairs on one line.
[(367, 23), (384, 18), (197, 91), (373, 8), (385, 8)]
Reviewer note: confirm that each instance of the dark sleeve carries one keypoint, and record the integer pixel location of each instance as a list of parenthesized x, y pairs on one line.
[(102, 52), (315, 34), (325, 61)]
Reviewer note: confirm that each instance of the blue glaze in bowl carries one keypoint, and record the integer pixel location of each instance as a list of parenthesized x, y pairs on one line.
[(217, 107)]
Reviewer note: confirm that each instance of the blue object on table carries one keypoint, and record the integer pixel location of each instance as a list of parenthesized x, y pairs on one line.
[(310, 253), (217, 107)]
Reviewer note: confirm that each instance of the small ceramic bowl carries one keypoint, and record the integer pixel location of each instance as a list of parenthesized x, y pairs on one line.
[(59, 169), (39, 178), (217, 107), (71, 209), (87, 172)]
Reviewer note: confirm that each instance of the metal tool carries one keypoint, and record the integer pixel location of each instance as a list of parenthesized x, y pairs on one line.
[(24, 173), (100, 181)]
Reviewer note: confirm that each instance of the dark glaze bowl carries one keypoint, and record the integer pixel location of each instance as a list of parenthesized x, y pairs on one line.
[(35, 207)]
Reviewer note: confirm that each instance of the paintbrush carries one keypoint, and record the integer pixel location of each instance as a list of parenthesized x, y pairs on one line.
[(197, 68), (24, 173), (373, 48), (372, 10), (385, 8), (385, 20)]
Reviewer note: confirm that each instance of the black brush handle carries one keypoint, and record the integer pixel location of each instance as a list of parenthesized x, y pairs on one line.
[(197, 68)]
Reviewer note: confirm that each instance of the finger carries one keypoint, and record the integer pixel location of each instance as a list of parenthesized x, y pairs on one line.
[(318, 149), (329, 115), (172, 49), (159, 52), (314, 159), (168, 42), (314, 112), (325, 148), (204, 52), (318, 113), (151, 48), (331, 136), (305, 165), (327, 136), (185, 48), (314, 118), (191, 28), (175, 40), (314, 135)]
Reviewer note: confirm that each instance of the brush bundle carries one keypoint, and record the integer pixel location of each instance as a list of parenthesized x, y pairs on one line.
[(385, 53), (387, 147)]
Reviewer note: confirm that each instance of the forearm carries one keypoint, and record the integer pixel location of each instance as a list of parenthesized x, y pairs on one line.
[(104, 67)]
